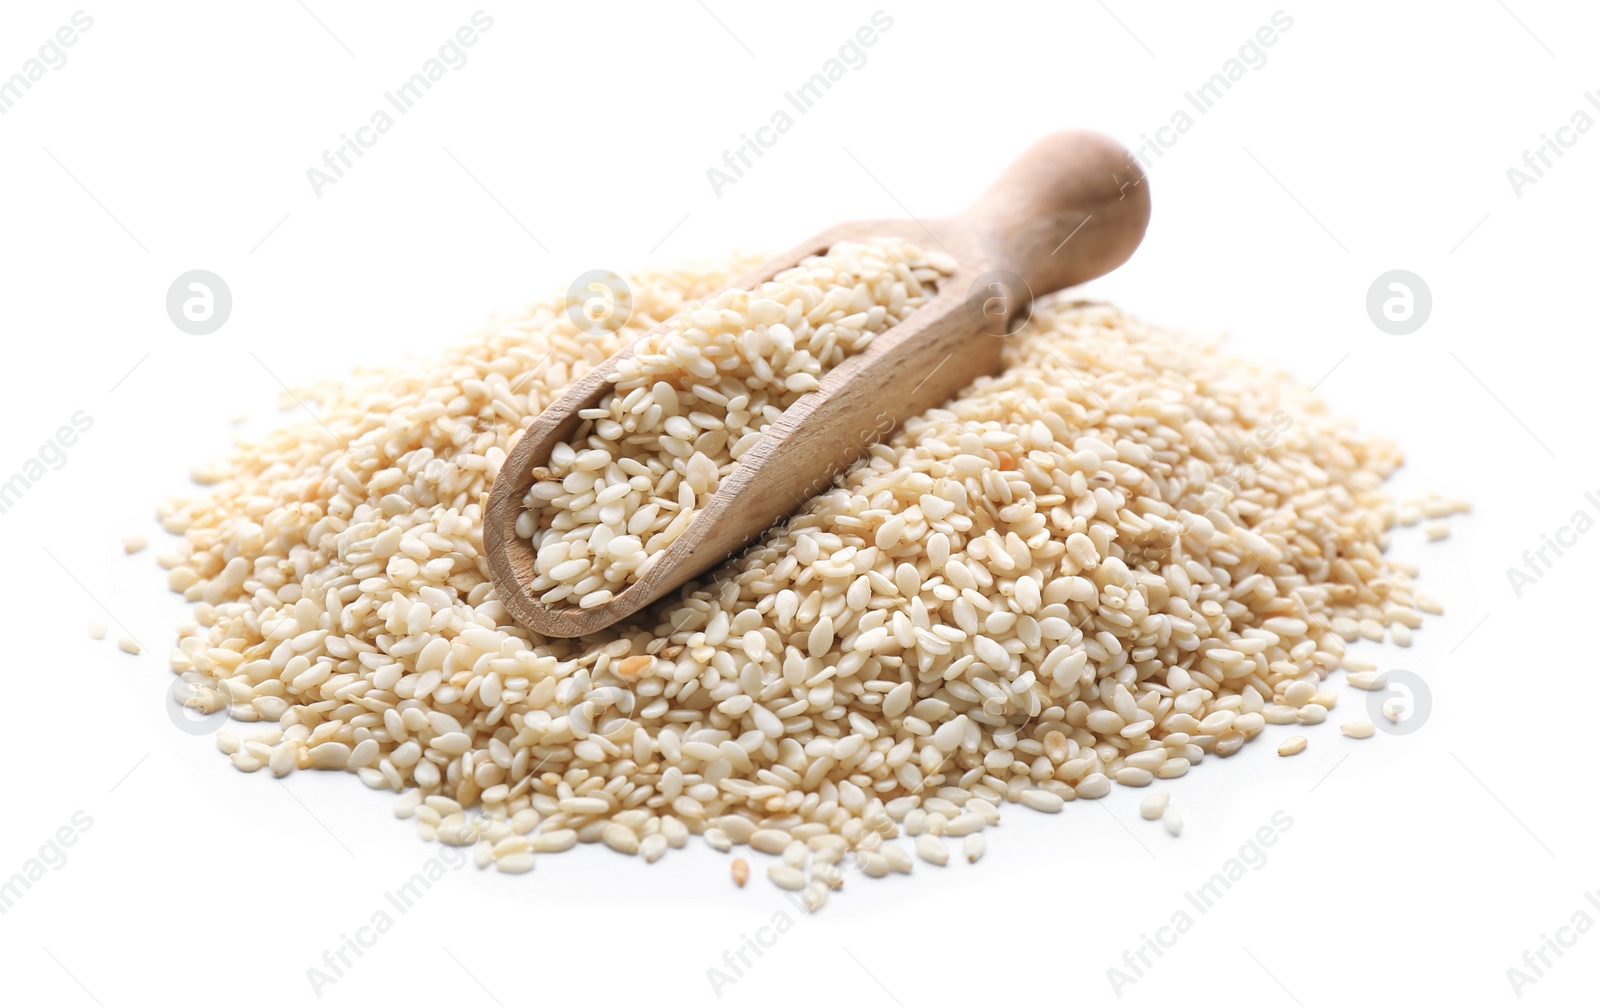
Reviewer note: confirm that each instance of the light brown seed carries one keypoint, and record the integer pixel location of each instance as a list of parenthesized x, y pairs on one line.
[(632, 667)]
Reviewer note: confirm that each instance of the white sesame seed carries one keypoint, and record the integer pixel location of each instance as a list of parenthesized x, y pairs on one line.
[(1133, 776), (933, 850), (1094, 786), (653, 847), (1299, 693), (898, 858), (620, 838), (1042, 800), (973, 847), (555, 841), (773, 841), (514, 863), (330, 755), (796, 853), (786, 877)]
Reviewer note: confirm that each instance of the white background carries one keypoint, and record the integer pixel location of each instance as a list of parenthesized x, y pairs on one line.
[(1377, 136)]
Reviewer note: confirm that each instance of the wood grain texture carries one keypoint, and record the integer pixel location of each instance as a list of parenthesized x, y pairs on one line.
[(1072, 208)]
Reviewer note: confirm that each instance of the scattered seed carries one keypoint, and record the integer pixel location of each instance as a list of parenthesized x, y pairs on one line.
[(1312, 713), (1371, 681), (653, 847), (973, 846), (1170, 819), (620, 838), (1041, 800), (786, 877), (898, 858), (796, 854), (330, 755), (1094, 786), (514, 863), (1293, 746), (873, 865), (1152, 807), (830, 875), (773, 841), (933, 850), (555, 841)]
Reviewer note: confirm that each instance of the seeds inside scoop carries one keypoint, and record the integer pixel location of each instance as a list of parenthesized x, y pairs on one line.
[(687, 405), (1122, 556)]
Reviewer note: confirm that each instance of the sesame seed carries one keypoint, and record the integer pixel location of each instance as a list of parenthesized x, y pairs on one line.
[(786, 877), (1171, 822), (973, 847), (933, 850)]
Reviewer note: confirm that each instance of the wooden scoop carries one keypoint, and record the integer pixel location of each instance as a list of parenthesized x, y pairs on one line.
[(1072, 208)]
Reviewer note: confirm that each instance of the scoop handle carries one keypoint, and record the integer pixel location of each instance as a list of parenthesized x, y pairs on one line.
[(1074, 206)]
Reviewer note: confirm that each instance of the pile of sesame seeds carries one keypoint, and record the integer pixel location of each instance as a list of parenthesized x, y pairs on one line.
[(1093, 568)]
